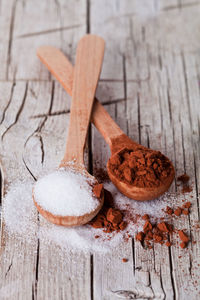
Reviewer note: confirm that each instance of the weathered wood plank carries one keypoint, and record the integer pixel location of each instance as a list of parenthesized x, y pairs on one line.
[(158, 114), (36, 23), (150, 85)]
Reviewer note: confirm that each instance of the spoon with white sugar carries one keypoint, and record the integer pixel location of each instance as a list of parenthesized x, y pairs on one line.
[(70, 196)]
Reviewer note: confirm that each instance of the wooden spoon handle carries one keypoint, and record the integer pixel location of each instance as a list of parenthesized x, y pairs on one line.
[(89, 58), (59, 65)]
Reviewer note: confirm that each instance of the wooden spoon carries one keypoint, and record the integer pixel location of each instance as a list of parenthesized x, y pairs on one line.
[(62, 69), (89, 58)]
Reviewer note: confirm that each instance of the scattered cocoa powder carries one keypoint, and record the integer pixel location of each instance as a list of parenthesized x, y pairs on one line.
[(164, 227), (154, 233), (185, 212), (159, 233), (186, 189), (140, 167), (183, 245), (178, 211), (98, 190), (140, 236), (184, 179), (187, 205), (169, 210), (183, 236), (101, 175), (147, 227), (168, 244), (109, 218), (145, 217)]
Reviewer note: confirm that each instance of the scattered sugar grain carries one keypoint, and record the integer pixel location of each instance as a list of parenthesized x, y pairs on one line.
[(65, 193), (19, 213), (20, 218)]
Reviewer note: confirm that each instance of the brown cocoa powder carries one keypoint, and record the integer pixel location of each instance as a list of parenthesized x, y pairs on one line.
[(183, 236), (184, 179), (109, 218), (140, 167), (98, 190), (169, 210), (178, 211)]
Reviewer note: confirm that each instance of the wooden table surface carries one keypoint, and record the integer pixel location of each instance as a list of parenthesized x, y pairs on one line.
[(150, 84)]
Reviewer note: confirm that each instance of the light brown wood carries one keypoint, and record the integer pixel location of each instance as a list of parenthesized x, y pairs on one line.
[(89, 59), (114, 136)]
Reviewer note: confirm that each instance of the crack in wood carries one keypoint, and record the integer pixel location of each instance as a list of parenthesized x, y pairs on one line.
[(8, 104), (169, 104), (35, 284), (133, 255), (33, 93), (88, 16), (180, 6), (91, 277), (138, 113), (148, 139), (159, 57), (18, 113), (49, 31), (42, 149), (57, 113), (9, 267), (11, 36), (28, 169), (190, 264), (131, 294)]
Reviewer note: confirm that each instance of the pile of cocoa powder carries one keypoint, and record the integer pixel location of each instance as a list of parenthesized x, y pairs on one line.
[(111, 219), (141, 168)]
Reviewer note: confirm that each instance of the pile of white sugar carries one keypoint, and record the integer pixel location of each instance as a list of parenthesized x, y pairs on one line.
[(20, 219), (66, 192)]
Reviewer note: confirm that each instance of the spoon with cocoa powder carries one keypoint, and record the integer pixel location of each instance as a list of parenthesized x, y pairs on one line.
[(138, 172), (70, 196)]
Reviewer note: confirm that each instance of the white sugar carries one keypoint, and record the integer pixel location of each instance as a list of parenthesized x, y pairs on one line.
[(20, 218), (19, 212), (65, 193)]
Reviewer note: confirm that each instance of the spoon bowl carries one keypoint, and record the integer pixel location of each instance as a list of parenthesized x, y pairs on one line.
[(72, 220), (140, 193)]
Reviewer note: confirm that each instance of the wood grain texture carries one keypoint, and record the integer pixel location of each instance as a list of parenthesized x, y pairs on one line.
[(150, 86)]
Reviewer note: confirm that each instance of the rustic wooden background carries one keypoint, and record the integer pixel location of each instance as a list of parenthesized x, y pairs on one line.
[(150, 84)]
